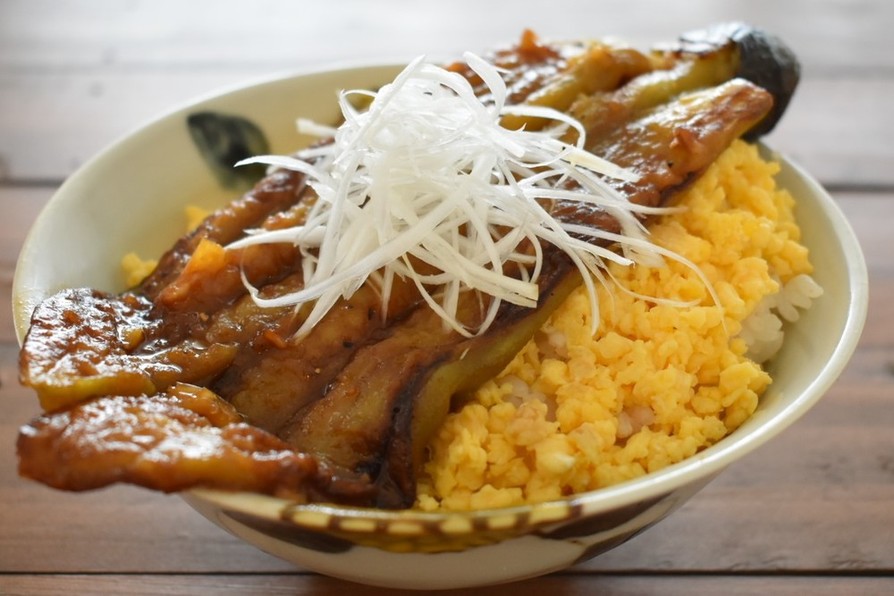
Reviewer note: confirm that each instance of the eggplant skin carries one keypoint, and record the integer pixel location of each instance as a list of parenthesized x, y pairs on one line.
[(764, 59)]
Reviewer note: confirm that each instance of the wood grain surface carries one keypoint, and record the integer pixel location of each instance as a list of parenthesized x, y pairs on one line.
[(812, 512)]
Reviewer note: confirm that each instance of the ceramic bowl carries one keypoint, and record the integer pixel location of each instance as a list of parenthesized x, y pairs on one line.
[(131, 198)]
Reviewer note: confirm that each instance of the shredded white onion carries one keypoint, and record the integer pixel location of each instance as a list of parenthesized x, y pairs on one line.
[(428, 174)]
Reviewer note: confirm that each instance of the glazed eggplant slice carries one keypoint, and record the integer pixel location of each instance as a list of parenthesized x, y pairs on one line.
[(274, 193), (84, 343), (282, 372), (344, 412), (179, 439), (761, 57)]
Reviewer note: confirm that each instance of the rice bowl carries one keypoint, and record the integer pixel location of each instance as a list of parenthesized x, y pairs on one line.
[(419, 549)]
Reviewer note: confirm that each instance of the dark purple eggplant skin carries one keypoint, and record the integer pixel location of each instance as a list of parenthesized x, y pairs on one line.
[(764, 59)]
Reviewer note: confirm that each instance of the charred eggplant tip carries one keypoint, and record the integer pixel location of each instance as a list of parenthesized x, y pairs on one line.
[(764, 59)]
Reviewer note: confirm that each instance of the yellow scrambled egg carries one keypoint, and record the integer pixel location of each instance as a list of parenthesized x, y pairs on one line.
[(662, 378)]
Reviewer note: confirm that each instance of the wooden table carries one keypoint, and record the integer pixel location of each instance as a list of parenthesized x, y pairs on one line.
[(812, 512)]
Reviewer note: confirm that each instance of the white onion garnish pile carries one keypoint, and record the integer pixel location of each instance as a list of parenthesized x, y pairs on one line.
[(427, 175)]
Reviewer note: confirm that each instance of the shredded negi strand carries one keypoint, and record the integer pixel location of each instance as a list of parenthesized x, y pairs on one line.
[(428, 175)]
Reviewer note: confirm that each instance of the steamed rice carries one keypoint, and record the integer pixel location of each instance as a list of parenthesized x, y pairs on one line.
[(659, 381)]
